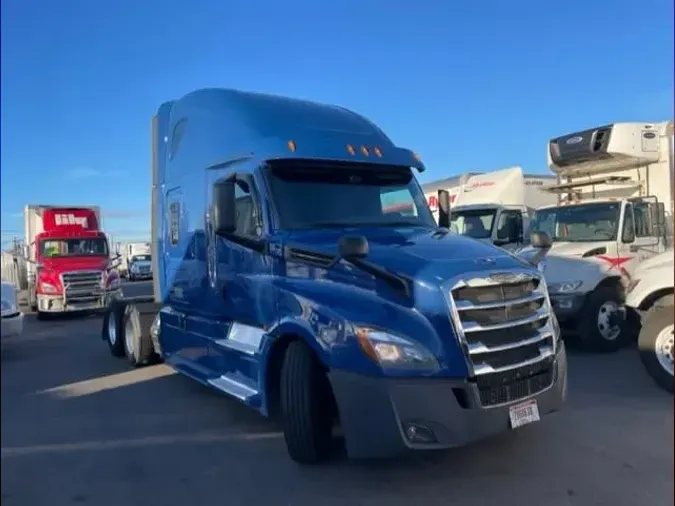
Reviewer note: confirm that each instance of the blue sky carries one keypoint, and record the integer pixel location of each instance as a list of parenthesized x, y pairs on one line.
[(470, 85)]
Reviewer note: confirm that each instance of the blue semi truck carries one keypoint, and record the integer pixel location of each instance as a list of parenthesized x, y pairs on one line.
[(285, 278)]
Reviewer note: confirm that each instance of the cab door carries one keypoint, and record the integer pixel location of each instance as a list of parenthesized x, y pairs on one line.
[(647, 238)]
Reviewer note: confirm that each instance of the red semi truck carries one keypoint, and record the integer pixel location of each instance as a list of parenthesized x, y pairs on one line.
[(69, 263)]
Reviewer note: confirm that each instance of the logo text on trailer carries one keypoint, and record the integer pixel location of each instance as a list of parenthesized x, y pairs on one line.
[(70, 219)]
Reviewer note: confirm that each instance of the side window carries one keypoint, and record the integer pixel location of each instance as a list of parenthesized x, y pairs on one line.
[(176, 137), (642, 219), (509, 225), (628, 232), (174, 223), (248, 213)]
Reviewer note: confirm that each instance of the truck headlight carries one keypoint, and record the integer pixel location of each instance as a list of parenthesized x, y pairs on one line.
[(48, 288), (394, 352), (566, 287)]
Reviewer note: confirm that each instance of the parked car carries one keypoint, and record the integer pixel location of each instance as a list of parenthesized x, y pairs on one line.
[(12, 317), (650, 296)]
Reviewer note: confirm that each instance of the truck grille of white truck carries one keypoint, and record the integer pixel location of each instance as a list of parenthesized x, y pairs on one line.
[(505, 326), (82, 286)]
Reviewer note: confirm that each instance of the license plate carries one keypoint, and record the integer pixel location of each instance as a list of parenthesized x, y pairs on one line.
[(523, 413)]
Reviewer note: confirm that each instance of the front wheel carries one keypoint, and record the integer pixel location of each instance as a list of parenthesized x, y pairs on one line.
[(602, 327), (306, 417), (655, 344)]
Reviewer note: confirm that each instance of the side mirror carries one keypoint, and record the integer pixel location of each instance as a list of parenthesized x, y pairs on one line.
[(353, 246), (224, 219), (443, 209), (542, 242)]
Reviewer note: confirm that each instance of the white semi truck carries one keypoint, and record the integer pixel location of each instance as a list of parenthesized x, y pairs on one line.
[(615, 189), (485, 196)]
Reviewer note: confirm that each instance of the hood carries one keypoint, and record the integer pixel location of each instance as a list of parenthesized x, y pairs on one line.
[(661, 260), (565, 262), (76, 263), (414, 252), (570, 249)]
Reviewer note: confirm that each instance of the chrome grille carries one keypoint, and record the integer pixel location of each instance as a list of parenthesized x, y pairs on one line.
[(504, 323), (82, 286)]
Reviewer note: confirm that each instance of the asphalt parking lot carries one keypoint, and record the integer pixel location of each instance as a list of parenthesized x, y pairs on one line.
[(80, 427)]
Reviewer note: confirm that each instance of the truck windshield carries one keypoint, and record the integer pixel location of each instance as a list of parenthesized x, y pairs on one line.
[(476, 223), (73, 247), (578, 223), (309, 195), (141, 258)]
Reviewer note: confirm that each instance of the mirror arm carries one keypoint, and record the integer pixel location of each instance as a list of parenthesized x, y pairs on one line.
[(257, 244), (393, 280)]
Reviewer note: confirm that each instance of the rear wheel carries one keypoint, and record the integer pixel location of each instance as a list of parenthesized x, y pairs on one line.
[(656, 342), (307, 414)]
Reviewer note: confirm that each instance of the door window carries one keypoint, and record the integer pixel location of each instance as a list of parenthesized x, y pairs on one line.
[(509, 223), (628, 231), (642, 219), (247, 210)]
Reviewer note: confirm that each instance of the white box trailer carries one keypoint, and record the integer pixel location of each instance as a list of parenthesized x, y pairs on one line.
[(614, 211)]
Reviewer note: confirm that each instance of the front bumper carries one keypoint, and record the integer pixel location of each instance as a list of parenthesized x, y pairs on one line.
[(56, 303), (375, 412), (567, 306), (12, 326), (141, 275)]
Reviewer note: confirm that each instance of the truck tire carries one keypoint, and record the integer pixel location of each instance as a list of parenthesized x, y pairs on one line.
[(112, 331), (655, 344), (138, 346), (307, 424), (602, 326)]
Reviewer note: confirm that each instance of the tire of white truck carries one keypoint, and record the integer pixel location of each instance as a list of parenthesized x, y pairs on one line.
[(307, 417), (655, 344), (138, 346), (601, 326)]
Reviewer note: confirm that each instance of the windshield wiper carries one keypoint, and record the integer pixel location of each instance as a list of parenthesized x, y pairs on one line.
[(338, 224)]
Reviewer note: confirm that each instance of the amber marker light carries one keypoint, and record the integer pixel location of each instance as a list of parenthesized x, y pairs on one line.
[(377, 151), (291, 146), (351, 150), (365, 151)]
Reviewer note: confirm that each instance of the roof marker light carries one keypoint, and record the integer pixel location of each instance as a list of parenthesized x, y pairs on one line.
[(365, 151), (417, 157), (377, 151), (291, 146), (351, 150)]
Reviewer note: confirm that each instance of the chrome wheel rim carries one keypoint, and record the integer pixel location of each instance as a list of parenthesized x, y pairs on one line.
[(663, 348)]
